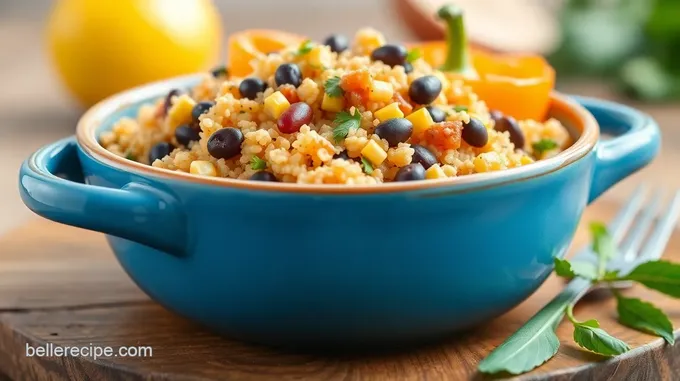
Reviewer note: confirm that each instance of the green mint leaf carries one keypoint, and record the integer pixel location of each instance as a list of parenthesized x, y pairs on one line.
[(611, 275), (662, 276), (567, 269), (413, 55), (366, 165), (645, 317), (603, 246), (544, 145), (332, 87), (588, 335), (257, 164), (345, 122), (532, 345), (305, 48)]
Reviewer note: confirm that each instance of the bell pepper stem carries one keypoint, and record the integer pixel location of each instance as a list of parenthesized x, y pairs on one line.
[(457, 57)]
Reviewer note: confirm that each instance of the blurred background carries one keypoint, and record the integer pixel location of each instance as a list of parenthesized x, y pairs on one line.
[(626, 50)]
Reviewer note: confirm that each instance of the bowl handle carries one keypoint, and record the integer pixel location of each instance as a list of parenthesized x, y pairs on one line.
[(51, 185), (635, 142)]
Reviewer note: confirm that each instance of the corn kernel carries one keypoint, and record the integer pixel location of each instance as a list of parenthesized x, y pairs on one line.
[(449, 170), (333, 104), (180, 112), (276, 104), (374, 153), (203, 168), (526, 160), (480, 165), (381, 91), (319, 56), (421, 119), (390, 111), (435, 172)]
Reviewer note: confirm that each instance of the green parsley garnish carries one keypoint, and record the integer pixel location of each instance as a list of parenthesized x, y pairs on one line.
[(413, 55), (257, 164), (305, 48), (544, 145), (345, 121), (130, 156), (460, 108), (333, 88), (366, 165)]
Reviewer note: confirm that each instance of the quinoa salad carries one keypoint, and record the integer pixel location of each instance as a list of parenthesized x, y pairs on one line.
[(344, 111)]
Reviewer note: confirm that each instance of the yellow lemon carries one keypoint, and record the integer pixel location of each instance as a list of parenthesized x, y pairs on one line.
[(105, 46)]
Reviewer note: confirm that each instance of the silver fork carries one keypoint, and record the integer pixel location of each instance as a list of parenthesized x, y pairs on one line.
[(630, 254)]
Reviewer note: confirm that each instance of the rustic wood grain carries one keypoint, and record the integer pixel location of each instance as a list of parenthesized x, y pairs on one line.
[(55, 300)]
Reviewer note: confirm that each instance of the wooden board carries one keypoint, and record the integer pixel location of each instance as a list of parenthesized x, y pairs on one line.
[(61, 285)]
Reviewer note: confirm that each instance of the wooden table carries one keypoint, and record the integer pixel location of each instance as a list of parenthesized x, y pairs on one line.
[(61, 285)]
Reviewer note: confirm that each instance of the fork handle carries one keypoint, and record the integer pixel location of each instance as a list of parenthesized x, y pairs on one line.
[(553, 312), (635, 143)]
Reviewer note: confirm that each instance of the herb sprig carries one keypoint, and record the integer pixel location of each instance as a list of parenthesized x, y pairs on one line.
[(345, 122), (305, 48), (544, 145), (256, 163), (332, 87), (536, 342), (413, 55), (366, 165)]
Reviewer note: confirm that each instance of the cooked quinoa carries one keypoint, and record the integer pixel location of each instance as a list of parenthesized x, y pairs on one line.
[(311, 115)]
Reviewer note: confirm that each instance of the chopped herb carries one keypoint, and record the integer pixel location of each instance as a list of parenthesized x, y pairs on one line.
[(220, 71), (130, 156), (257, 164), (305, 48), (413, 55), (345, 121), (333, 88), (460, 108), (544, 145), (366, 165)]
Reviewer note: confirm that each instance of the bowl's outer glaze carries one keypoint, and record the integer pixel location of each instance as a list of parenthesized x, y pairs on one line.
[(297, 268)]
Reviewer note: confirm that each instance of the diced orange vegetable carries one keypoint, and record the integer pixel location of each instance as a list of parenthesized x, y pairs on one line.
[(249, 44)]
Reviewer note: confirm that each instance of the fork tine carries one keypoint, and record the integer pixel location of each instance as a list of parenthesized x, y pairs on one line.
[(638, 232), (659, 238), (618, 227)]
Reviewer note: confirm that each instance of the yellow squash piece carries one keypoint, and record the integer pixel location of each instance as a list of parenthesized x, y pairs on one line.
[(373, 152), (180, 112), (276, 104), (332, 104), (203, 168), (421, 119), (390, 111), (381, 91)]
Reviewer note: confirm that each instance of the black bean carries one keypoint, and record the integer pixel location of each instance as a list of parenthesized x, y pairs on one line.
[(425, 89), (395, 130), (438, 115), (288, 74), (186, 134), (496, 115), (168, 100), (423, 156), (219, 71), (264, 176), (475, 133), (200, 109), (342, 155), (410, 172), (337, 42), (225, 143), (160, 151), (390, 54), (250, 87), (510, 125)]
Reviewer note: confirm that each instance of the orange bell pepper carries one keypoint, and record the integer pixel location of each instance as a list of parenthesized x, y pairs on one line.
[(515, 84), (252, 43)]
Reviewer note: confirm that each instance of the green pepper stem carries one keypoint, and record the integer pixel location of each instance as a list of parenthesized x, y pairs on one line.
[(457, 58)]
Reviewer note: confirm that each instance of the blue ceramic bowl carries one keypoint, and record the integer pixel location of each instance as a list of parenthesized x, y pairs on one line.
[(334, 265)]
